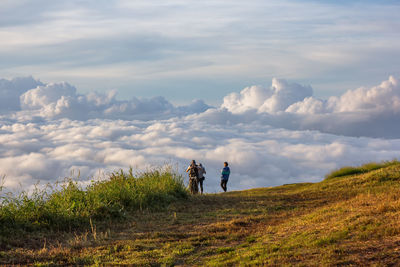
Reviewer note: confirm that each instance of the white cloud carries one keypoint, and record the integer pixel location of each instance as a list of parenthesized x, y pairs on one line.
[(309, 105), (259, 155), (370, 112), (277, 98), (295, 98), (378, 99), (11, 90), (61, 100), (268, 135)]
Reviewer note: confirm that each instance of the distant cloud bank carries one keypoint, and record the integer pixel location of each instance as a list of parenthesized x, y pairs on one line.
[(270, 135), (61, 100), (372, 112)]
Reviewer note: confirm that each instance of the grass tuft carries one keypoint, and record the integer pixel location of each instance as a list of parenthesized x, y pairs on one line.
[(349, 170), (72, 207)]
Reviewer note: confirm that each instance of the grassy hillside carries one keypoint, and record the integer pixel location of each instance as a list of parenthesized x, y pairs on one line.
[(343, 220), (69, 207)]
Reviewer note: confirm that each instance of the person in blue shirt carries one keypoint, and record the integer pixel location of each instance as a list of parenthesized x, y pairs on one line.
[(225, 172)]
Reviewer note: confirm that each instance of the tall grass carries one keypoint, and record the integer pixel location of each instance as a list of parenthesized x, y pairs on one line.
[(71, 206), (348, 170)]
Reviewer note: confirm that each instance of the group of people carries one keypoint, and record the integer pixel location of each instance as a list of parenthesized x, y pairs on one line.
[(196, 177)]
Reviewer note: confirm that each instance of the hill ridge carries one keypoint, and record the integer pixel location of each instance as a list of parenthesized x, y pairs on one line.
[(347, 220)]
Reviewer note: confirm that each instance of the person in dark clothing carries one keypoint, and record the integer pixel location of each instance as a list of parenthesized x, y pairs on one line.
[(225, 172), (193, 177)]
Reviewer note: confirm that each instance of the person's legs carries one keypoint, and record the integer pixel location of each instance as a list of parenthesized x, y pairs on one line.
[(193, 185), (201, 185), (196, 181), (223, 184)]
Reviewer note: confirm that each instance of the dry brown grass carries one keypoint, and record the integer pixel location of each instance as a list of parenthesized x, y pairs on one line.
[(343, 221)]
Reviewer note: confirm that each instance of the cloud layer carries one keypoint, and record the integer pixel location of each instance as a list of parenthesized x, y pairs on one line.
[(259, 155), (61, 100), (373, 112), (269, 135)]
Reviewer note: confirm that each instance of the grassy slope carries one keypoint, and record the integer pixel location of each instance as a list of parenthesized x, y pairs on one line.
[(350, 220)]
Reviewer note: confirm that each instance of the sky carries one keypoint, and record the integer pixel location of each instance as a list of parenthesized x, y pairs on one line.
[(286, 91), (203, 50)]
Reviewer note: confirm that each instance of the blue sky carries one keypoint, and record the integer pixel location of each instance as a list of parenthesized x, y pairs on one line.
[(189, 49)]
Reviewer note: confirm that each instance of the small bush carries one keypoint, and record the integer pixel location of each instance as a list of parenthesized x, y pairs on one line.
[(348, 170), (71, 206), (344, 171)]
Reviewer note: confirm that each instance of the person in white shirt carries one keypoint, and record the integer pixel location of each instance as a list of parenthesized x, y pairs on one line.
[(201, 171)]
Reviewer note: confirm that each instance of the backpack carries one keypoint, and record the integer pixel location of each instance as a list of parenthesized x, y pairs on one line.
[(193, 172)]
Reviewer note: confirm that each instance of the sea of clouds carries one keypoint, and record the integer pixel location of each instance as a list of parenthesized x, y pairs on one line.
[(270, 135)]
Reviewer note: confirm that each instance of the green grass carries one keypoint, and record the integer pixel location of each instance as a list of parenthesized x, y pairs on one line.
[(72, 207), (349, 220), (349, 170)]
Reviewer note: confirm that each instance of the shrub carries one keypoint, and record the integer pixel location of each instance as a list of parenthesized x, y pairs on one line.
[(71, 206), (348, 170)]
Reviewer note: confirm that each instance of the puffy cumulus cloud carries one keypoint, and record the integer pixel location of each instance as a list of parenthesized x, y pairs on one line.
[(276, 98), (284, 94), (61, 100), (372, 112), (11, 90), (309, 105), (384, 98), (53, 100), (259, 155), (295, 98), (270, 136)]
